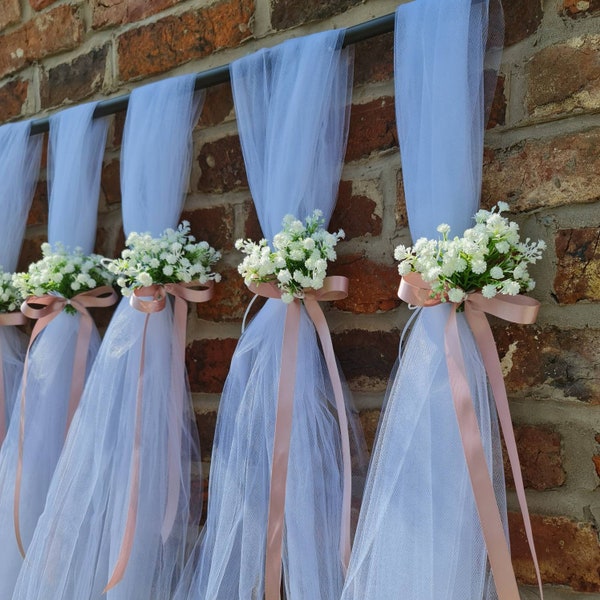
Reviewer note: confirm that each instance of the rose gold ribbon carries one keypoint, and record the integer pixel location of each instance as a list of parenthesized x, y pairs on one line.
[(6, 319), (183, 294), (45, 309), (516, 309), (334, 288)]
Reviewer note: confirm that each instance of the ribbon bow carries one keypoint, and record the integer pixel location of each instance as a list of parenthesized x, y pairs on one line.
[(6, 319), (516, 309), (45, 309), (334, 288), (183, 294)]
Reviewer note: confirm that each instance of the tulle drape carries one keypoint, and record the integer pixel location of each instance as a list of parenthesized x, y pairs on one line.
[(75, 158), (419, 536), (79, 536), (292, 108), (19, 166)]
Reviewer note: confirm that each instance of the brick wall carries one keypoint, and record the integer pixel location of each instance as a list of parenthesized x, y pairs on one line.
[(542, 156)]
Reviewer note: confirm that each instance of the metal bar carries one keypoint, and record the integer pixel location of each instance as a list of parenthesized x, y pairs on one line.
[(211, 77)]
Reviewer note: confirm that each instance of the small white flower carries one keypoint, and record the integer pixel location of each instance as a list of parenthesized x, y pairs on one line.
[(443, 228), (488, 290), (456, 295), (144, 279), (496, 272)]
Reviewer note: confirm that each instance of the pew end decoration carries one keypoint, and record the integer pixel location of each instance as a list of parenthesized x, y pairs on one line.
[(10, 295)]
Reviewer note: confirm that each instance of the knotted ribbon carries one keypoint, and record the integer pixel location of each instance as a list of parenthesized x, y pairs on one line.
[(516, 309), (334, 288), (45, 309), (6, 319), (182, 293)]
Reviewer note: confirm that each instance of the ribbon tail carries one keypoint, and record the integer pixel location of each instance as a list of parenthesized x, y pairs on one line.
[(134, 484), (487, 346), (483, 490), (281, 450), (318, 318)]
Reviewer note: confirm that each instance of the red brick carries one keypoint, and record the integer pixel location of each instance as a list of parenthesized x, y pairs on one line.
[(565, 78), (596, 460), (544, 359), (206, 423), (40, 4), (355, 212), (374, 60), (289, 13), (31, 251), (401, 213), (522, 18), (579, 8), (372, 128), (47, 33), (13, 96), (213, 225), (217, 106), (75, 80), (174, 40), (578, 269), (373, 286), (230, 299), (568, 552), (497, 114), (252, 228), (208, 363), (107, 13), (544, 173), (10, 12), (369, 420), (38, 213), (110, 181), (222, 166), (540, 458), (115, 132), (366, 357)]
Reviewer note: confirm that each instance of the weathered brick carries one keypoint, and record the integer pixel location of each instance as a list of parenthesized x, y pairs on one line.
[(540, 458), (206, 423), (565, 78), (401, 212), (578, 268), (213, 225), (374, 60), (544, 173), (372, 128), (10, 12), (174, 40), (568, 552), (110, 181), (40, 4), (596, 460), (47, 33), (38, 213), (74, 80), (222, 166), (30, 251), (369, 420), (373, 286), (208, 363), (497, 114), (252, 228), (548, 360), (366, 357), (522, 18), (579, 8), (13, 96), (230, 300), (288, 13), (217, 106), (107, 13), (355, 211)]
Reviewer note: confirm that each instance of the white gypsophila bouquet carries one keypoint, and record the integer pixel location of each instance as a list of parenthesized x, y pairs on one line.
[(63, 272), (173, 257), (10, 296), (299, 260), (489, 258)]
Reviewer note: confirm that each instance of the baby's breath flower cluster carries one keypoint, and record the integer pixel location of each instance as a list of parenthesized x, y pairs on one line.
[(489, 258), (173, 257), (10, 297), (299, 260), (62, 272)]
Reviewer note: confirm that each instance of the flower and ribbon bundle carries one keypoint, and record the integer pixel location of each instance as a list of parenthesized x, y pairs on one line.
[(296, 273), (150, 269), (69, 281), (483, 272), (10, 302)]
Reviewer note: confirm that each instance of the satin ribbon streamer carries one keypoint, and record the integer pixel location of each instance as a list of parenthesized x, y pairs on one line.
[(45, 309), (183, 294), (334, 288), (516, 309), (6, 319)]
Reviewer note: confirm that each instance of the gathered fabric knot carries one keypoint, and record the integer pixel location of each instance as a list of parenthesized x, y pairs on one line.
[(515, 309), (334, 288), (149, 300)]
